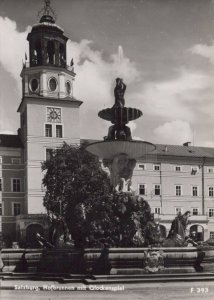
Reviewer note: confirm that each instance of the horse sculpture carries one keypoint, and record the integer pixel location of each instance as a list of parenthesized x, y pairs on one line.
[(177, 233)]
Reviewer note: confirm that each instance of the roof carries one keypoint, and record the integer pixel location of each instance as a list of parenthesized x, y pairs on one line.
[(10, 140), (174, 150), (187, 151)]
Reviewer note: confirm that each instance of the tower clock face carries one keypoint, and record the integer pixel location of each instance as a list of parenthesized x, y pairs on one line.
[(54, 115)]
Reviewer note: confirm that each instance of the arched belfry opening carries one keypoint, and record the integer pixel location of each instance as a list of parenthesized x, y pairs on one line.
[(36, 57), (50, 52), (62, 55)]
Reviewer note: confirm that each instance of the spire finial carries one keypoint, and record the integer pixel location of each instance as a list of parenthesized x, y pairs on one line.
[(47, 12)]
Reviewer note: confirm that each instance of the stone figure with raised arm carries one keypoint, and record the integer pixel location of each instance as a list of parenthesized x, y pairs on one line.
[(119, 92)]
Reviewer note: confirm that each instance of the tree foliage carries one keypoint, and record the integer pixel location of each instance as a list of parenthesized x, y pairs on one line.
[(75, 185), (79, 195)]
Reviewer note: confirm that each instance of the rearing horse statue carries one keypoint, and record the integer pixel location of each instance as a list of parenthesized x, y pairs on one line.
[(177, 235)]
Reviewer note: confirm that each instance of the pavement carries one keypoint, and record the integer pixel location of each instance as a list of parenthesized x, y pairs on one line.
[(52, 290)]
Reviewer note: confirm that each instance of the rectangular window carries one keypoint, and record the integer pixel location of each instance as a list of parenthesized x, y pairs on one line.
[(142, 189), (211, 191), (178, 190), (16, 209), (157, 210), (211, 212), (16, 161), (211, 234), (178, 168), (49, 153), (1, 185), (195, 211), (178, 210), (48, 130), (16, 185), (59, 131), (156, 167), (210, 170), (195, 191), (157, 189), (141, 166), (1, 209)]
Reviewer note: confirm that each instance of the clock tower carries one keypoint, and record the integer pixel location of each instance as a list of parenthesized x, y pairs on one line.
[(49, 113)]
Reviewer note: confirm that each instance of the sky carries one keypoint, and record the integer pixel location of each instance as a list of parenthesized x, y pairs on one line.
[(163, 49)]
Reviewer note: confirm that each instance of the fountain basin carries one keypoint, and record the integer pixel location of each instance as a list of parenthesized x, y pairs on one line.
[(120, 114), (123, 261), (131, 261), (109, 149)]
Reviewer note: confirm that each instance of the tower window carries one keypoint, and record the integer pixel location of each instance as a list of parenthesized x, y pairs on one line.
[(62, 55), (34, 84), (68, 87), (0, 184), (52, 84), (48, 130), (1, 212), (59, 131), (50, 52), (37, 53), (16, 185)]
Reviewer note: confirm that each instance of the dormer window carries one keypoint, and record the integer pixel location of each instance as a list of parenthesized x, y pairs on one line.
[(194, 170)]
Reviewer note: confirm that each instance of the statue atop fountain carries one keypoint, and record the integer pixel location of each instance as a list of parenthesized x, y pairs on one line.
[(119, 92), (118, 150)]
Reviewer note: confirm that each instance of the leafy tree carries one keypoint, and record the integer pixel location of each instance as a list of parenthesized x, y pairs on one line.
[(77, 190), (80, 201)]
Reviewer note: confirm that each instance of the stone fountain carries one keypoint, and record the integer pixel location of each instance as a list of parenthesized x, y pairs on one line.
[(118, 150), (119, 153), (142, 252)]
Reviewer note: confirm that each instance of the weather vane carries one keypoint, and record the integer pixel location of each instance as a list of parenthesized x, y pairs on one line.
[(47, 10)]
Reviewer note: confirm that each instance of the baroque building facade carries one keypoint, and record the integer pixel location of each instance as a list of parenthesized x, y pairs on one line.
[(172, 179)]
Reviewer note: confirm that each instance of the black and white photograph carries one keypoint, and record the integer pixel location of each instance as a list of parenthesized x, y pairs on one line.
[(106, 149)]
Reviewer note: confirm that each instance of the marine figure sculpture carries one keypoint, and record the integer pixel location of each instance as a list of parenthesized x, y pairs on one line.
[(177, 234)]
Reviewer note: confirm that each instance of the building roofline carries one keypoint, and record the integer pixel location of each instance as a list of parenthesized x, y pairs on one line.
[(162, 151), (67, 100)]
